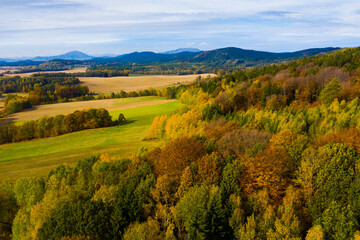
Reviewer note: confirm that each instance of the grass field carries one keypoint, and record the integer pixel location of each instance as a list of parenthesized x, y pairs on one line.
[(116, 84), (66, 108), (38, 157), (144, 75)]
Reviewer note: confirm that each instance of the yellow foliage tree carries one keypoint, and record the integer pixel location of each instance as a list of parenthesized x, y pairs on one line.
[(157, 128), (315, 233)]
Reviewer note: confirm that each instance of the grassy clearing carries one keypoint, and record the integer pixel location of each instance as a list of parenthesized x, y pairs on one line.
[(17, 93), (121, 101), (116, 84), (38, 157), (144, 75)]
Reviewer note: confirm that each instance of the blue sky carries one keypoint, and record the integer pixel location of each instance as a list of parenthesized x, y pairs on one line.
[(97, 27)]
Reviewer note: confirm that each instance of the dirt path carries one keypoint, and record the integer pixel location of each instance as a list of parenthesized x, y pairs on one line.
[(116, 84), (66, 108)]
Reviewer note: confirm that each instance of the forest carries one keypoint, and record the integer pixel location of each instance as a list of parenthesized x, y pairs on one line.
[(264, 153), (40, 89), (45, 88)]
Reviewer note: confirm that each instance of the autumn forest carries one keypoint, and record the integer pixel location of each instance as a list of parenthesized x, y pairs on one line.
[(271, 152)]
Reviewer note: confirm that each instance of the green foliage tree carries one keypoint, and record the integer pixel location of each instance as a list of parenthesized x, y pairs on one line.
[(190, 212), (217, 226), (29, 191), (338, 221), (86, 218), (331, 91), (121, 119), (334, 176), (8, 210), (354, 199)]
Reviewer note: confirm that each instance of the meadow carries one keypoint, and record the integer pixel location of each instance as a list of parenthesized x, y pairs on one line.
[(116, 84), (38, 157)]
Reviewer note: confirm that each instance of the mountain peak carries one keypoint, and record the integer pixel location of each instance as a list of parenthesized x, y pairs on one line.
[(73, 55), (180, 50)]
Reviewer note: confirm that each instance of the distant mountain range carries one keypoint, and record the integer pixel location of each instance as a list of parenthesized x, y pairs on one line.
[(80, 56), (233, 53), (224, 56), (230, 55), (73, 55)]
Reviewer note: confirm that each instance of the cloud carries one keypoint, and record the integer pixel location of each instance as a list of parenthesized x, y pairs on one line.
[(163, 25), (276, 13)]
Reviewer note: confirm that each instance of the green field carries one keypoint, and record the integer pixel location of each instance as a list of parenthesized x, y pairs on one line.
[(37, 157), (144, 75), (121, 101)]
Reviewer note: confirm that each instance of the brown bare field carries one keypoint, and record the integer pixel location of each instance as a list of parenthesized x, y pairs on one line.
[(70, 107), (6, 68), (75, 70), (116, 84)]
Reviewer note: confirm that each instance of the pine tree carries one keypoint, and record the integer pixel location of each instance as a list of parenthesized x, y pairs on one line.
[(216, 221)]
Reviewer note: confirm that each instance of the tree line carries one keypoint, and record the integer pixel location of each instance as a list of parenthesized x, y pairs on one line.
[(58, 125), (46, 81), (179, 68)]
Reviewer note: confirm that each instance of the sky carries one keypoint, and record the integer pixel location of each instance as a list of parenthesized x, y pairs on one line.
[(102, 27)]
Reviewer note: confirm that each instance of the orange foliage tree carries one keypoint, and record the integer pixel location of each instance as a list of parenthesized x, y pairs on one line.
[(209, 169), (350, 137), (272, 170), (176, 156)]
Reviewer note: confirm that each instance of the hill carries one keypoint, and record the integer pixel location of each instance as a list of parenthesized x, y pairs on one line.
[(73, 55), (148, 58), (180, 50), (237, 55)]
